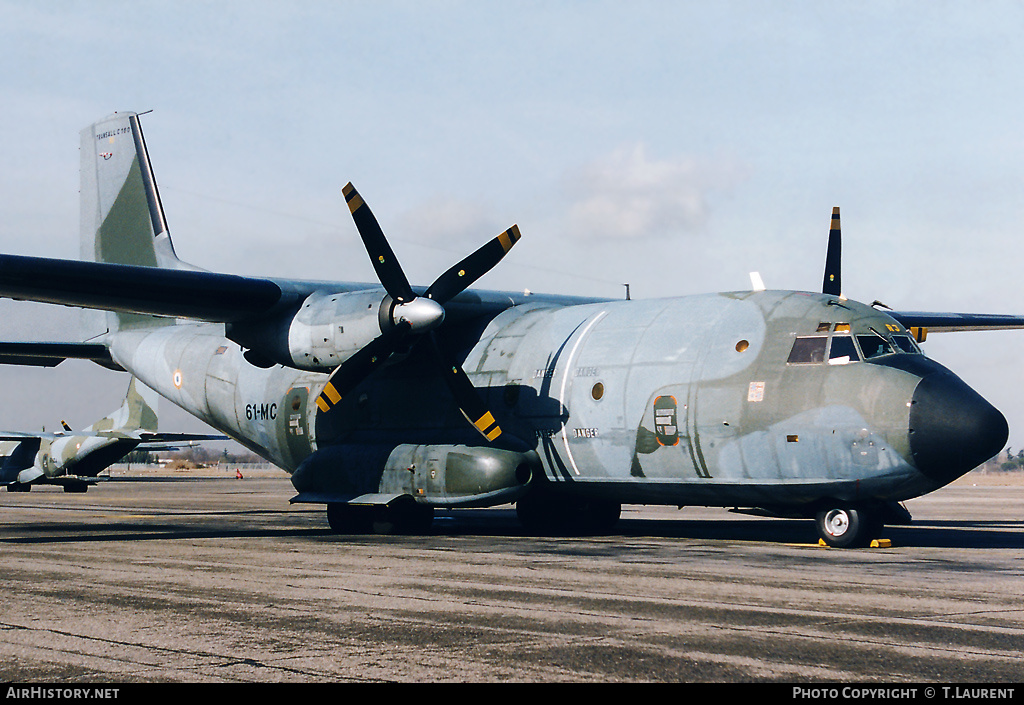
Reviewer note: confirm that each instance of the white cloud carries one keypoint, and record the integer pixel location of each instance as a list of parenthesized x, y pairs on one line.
[(629, 195), (446, 220)]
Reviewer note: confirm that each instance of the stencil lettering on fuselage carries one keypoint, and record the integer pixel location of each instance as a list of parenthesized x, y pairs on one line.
[(666, 426)]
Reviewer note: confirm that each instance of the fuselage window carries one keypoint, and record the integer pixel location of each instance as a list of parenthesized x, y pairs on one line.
[(843, 350), (873, 346), (808, 350)]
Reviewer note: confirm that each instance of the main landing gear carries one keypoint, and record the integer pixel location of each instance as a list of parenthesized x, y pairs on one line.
[(396, 518), (544, 513)]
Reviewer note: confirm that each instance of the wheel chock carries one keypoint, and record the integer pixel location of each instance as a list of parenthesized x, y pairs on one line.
[(875, 543)]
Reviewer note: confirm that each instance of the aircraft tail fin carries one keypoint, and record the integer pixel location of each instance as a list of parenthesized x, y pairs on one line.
[(122, 217), (137, 413), (21, 458)]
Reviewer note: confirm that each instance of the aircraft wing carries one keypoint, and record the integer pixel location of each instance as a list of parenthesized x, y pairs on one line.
[(183, 293), (949, 322), (150, 437), (206, 296), (141, 437)]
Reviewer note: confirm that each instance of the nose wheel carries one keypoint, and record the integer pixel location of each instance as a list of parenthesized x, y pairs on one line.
[(847, 527)]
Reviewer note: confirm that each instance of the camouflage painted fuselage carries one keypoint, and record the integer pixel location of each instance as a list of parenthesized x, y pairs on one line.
[(693, 400)]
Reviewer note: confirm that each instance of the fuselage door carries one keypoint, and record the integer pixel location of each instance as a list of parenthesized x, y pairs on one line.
[(296, 423), (596, 440)]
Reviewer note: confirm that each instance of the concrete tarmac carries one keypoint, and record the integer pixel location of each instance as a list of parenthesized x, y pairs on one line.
[(211, 579)]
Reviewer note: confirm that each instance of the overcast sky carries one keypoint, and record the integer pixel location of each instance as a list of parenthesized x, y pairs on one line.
[(676, 146)]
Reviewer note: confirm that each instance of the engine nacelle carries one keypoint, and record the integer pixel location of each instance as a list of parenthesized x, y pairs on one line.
[(318, 335), (457, 475), (329, 328)]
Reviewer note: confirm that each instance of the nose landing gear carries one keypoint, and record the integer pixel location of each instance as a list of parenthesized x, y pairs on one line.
[(848, 527)]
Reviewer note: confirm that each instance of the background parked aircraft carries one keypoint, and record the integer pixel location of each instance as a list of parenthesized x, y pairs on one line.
[(75, 459)]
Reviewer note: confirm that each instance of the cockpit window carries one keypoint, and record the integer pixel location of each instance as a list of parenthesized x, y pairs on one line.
[(905, 344), (808, 350), (843, 351), (873, 346)]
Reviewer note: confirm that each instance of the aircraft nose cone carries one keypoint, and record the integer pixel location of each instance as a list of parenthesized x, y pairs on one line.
[(952, 428)]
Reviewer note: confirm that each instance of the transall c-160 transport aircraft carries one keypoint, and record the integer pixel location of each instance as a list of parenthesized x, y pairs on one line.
[(385, 401)]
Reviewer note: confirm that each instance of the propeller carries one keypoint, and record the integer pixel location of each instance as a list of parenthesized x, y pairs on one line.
[(410, 315), (832, 283)]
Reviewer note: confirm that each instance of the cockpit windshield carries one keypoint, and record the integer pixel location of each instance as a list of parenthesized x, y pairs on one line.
[(905, 343), (839, 347), (873, 346), (842, 351), (808, 350)]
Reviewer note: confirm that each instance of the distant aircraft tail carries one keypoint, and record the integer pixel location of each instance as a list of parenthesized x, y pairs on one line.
[(137, 413), (19, 459), (122, 218)]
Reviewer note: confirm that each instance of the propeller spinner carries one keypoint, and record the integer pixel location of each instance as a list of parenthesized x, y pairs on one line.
[(410, 315)]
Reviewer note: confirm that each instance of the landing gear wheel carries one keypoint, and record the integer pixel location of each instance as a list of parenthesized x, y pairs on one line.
[(347, 519), (598, 516), (544, 514), (844, 527), (403, 518), (538, 513)]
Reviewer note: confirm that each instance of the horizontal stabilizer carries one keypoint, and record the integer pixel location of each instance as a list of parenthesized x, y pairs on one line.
[(178, 293), (179, 437), (51, 354), (16, 436)]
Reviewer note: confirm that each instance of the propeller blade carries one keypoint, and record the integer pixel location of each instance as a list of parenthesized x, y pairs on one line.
[(467, 397), (361, 365), (458, 278), (416, 319), (833, 258), (389, 271)]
